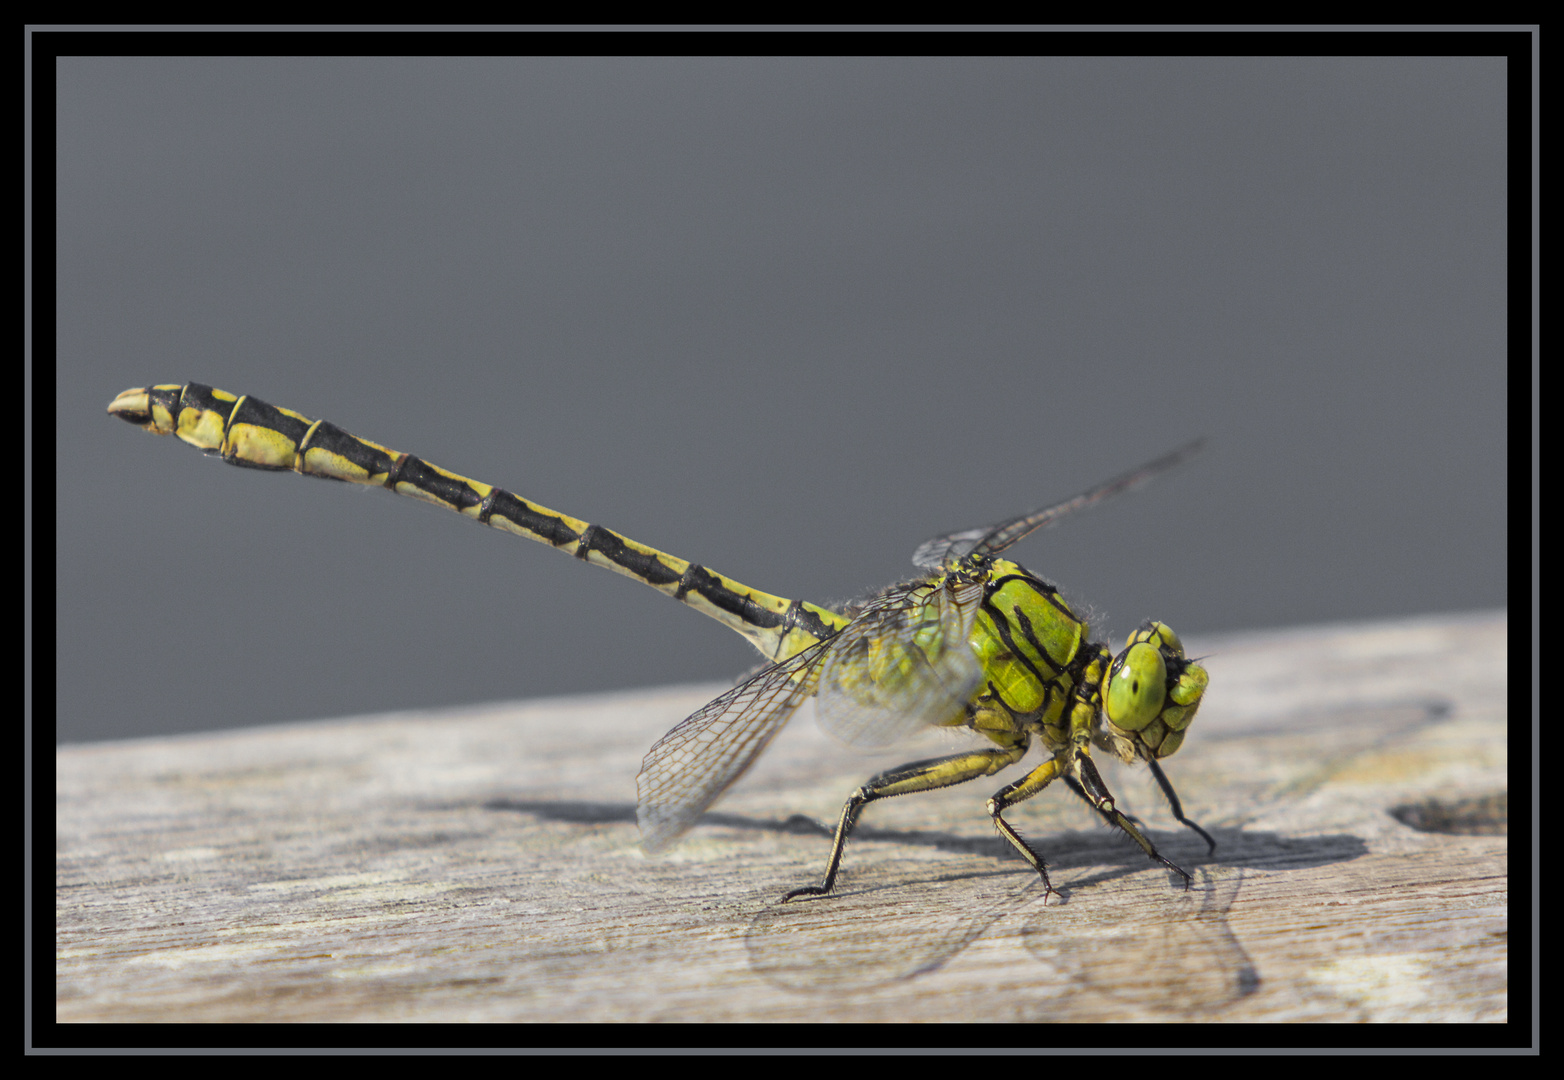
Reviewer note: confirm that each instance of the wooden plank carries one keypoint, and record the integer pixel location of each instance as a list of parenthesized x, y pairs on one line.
[(482, 864)]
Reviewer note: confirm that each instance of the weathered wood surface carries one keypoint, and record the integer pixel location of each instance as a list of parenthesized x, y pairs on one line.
[(482, 864)]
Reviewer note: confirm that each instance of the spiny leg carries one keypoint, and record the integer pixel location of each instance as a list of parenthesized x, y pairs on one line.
[(1006, 797), (1076, 787), (904, 780), (1096, 793), (1088, 784), (1073, 762)]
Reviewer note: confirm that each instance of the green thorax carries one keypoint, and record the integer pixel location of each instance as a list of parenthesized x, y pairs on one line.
[(1027, 641)]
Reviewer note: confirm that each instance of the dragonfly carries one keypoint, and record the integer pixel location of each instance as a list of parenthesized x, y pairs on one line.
[(975, 641)]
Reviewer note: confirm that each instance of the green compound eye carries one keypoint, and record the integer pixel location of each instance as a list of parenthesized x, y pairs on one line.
[(1158, 634), (1138, 687)]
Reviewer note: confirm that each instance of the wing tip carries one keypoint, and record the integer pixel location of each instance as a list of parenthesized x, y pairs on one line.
[(659, 832)]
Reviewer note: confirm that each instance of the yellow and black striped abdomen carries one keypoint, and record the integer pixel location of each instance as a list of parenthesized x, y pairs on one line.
[(249, 432)]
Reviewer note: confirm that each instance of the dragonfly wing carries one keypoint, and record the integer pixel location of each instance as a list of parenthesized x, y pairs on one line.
[(689, 768), (903, 664), (991, 540), (944, 550)]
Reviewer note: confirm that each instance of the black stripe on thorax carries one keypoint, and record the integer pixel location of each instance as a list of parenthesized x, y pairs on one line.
[(1003, 622)]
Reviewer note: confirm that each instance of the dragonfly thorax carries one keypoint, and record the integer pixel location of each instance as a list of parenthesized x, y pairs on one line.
[(1029, 644)]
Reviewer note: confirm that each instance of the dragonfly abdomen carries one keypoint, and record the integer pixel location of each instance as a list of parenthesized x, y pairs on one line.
[(251, 433)]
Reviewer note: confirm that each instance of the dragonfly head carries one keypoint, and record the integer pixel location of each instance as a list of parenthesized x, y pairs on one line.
[(1151, 691)]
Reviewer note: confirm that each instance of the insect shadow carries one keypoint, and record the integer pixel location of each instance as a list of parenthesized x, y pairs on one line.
[(1141, 942)]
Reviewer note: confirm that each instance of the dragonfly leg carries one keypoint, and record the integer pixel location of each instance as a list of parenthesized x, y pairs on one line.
[(1178, 807), (1090, 787), (1005, 797), (904, 780), (1079, 790)]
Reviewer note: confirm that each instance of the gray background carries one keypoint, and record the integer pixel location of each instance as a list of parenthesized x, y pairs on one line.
[(784, 317)]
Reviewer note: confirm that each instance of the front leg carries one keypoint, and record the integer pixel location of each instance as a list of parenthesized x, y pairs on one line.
[(1091, 788), (1088, 784), (1072, 761)]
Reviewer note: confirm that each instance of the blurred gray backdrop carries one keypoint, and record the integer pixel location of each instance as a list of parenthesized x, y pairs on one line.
[(784, 317)]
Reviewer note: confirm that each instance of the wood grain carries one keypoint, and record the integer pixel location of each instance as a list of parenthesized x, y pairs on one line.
[(482, 864)]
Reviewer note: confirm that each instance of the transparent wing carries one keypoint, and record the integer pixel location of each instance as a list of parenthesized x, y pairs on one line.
[(944, 550), (687, 769), (903, 664)]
